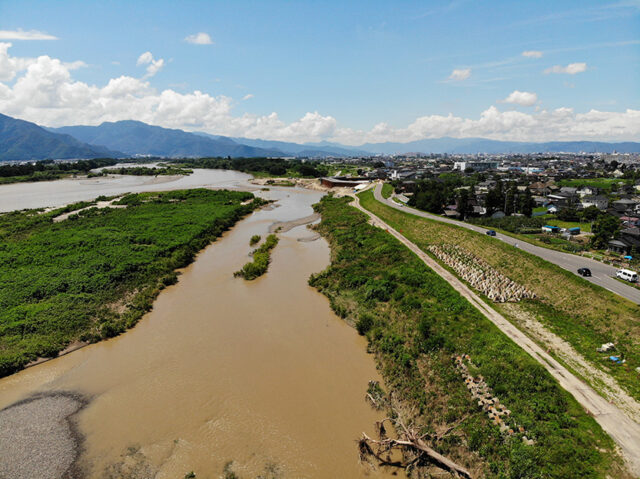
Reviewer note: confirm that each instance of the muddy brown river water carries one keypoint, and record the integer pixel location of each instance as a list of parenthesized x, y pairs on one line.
[(261, 373)]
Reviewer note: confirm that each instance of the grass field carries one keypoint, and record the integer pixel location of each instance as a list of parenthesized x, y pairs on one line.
[(584, 227), (583, 314), (96, 273), (415, 322), (387, 190), (601, 183)]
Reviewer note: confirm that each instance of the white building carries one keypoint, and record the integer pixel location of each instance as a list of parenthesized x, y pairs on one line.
[(475, 165), (600, 202)]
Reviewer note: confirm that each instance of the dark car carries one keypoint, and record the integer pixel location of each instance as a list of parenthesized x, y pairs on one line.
[(491, 233), (584, 272)]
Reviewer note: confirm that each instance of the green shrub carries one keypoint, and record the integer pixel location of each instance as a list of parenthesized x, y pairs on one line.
[(364, 323), (261, 260)]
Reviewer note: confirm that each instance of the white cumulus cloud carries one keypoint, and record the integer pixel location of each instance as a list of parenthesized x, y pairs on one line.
[(25, 35), (460, 74), (522, 98), (248, 96), (153, 65), (200, 38), (570, 69), (532, 54), (44, 91)]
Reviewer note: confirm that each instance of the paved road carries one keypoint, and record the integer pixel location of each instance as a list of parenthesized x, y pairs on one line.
[(602, 273), (622, 429)]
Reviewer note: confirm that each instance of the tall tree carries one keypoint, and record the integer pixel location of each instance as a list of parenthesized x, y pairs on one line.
[(527, 203), (604, 229), (510, 200), (462, 201), (495, 199)]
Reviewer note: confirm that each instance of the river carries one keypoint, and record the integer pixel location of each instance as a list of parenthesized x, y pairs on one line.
[(261, 373), (43, 194)]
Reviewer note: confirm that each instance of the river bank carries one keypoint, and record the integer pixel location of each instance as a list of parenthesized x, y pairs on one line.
[(260, 373), (508, 417)]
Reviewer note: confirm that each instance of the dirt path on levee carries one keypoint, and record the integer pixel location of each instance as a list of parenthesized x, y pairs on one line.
[(615, 422)]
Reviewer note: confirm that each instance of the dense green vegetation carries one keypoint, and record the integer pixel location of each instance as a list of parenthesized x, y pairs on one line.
[(48, 169), (415, 322), (146, 171), (387, 190), (580, 312), (606, 184), (434, 195), (261, 260), (513, 224), (96, 273), (259, 166), (254, 239)]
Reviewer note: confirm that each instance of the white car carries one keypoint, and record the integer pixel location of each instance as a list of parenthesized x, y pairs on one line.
[(627, 275)]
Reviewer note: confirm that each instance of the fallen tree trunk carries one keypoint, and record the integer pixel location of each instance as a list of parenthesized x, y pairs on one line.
[(409, 441)]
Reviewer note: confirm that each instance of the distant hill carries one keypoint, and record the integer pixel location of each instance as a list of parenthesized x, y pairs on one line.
[(137, 138), (22, 141), (483, 145), (317, 150), (324, 148)]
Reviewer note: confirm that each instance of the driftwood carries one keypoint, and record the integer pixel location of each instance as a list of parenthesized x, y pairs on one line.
[(408, 441)]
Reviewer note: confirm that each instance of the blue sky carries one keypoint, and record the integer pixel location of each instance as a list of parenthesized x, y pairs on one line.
[(345, 71)]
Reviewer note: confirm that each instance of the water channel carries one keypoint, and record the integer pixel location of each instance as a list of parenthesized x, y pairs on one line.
[(261, 373)]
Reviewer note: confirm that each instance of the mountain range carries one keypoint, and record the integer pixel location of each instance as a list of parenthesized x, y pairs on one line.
[(137, 138), (22, 140), (484, 145)]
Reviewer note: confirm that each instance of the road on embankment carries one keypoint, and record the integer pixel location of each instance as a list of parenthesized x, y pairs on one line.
[(602, 274), (622, 429)]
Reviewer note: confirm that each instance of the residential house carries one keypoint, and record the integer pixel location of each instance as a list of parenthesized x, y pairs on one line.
[(484, 186), (587, 191), (560, 201), (624, 205), (600, 201), (539, 189), (568, 191), (627, 240)]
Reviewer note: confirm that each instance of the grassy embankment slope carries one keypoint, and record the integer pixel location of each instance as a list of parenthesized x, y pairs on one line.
[(95, 274), (387, 190), (415, 322), (583, 314)]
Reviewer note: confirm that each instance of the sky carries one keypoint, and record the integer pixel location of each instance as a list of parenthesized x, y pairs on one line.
[(309, 71)]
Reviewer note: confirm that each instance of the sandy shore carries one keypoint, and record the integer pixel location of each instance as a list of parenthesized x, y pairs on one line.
[(284, 226), (38, 438), (308, 183)]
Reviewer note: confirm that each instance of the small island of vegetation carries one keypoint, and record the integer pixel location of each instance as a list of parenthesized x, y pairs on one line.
[(254, 240), (94, 274), (261, 259), (47, 170), (143, 171)]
